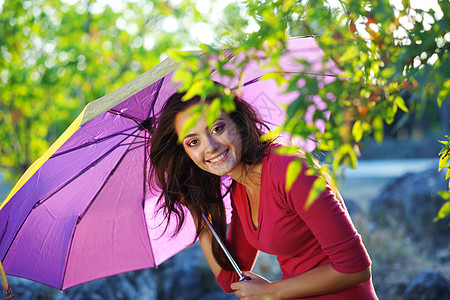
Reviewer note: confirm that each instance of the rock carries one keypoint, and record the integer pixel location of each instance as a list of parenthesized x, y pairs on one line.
[(140, 284), (186, 276), (443, 256), (411, 202), (218, 295), (428, 285)]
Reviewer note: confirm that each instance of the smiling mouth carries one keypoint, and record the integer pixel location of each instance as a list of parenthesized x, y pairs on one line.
[(219, 158)]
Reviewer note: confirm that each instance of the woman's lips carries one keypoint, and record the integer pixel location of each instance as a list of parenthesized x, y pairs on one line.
[(218, 159)]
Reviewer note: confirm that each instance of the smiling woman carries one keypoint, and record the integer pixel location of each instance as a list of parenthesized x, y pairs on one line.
[(319, 251)]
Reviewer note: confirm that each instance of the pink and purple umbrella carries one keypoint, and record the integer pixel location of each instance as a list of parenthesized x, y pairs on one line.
[(84, 211)]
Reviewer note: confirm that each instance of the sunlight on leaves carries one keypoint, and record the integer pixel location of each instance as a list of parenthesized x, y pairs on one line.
[(317, 189), (213, 112), (293, 170), (196, 112), (445, 209)]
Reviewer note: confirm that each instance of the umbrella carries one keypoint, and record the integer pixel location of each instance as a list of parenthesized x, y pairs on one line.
[(83, 210)]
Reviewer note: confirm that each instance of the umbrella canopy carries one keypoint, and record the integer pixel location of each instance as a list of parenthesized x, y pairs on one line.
[(84, 210)]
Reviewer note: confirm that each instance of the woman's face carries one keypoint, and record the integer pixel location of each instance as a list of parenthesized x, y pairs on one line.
[(215, 149)]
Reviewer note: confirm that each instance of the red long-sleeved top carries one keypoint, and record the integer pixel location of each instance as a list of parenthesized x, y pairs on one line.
[(302, 239)]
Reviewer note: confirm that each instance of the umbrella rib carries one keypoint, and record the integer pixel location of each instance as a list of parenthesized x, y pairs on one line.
[(132, 135), (94, 142), (139, 146), (109, 176), (306, 73), (139, 122), (144, 193), (118, 113), (152, 107), (84, 170)]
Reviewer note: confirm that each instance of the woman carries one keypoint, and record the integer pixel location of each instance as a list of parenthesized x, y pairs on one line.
[(318, 249)]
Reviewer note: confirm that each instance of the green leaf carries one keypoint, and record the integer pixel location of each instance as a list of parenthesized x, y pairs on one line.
[(378, 129), (195, 90), (310, 161), (213, 112), (352, 155), (317, 189), (446, 142), (443, 92), (275, 76), (293, 170), (388, 72), (444, 194), (287, 150), (390, 113), (196, 112), (350, 53), (401, 103), (175, 54), (443, 162), (345, 153), (443, 212), (357, 131)]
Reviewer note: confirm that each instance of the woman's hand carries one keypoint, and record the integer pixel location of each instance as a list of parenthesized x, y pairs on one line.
[(258, 288)]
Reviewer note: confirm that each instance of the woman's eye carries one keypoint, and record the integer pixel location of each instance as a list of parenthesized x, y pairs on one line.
[(192, 143), (218, 128)]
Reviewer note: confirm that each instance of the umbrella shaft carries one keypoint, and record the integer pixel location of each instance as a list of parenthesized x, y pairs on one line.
[(230, 258)]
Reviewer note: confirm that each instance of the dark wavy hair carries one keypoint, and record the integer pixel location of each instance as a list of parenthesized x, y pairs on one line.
[(181, 182)]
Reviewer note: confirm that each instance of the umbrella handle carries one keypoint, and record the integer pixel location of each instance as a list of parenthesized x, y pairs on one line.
[(7, 292), (245, 278), (230, 258)]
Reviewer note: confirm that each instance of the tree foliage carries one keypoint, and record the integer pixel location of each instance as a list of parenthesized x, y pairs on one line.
[(55, 56), (394, 57)]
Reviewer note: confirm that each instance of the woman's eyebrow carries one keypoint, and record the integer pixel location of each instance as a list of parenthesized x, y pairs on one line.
[(207, 129), (218, 119), (189, 135)]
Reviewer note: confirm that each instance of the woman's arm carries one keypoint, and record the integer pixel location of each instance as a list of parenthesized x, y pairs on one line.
[(205, 242), (317, 281)]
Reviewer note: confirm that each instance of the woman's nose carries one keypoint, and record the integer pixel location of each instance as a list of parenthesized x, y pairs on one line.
[(212, 145)]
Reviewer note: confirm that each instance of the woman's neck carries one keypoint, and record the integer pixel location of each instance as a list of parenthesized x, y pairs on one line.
[(249, 176)]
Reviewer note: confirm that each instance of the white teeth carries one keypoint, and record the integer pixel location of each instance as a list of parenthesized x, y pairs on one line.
[(219, 158)]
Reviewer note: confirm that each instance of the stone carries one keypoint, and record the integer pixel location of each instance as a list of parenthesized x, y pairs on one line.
[(428, 285), (411, 202)]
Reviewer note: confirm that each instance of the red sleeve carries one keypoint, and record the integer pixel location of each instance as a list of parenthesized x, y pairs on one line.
[(243, 253), (328, 220)]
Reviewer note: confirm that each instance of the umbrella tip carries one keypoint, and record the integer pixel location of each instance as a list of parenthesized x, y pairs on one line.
[(8, 293)]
